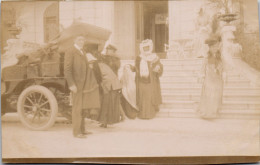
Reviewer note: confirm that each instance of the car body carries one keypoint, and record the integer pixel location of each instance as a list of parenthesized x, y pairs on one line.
[(36, 88)]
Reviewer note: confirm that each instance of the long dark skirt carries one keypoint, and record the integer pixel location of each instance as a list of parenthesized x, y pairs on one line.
[(147, 109), (110, 108), (130, 111)]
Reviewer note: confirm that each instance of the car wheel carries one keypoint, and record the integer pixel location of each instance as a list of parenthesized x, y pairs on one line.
[(37, 107)]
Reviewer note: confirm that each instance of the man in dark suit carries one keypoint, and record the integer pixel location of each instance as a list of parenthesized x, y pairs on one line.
[(84, 88)]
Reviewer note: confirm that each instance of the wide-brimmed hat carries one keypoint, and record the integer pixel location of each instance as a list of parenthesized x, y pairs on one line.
[(92, 34), (213, 39), (148, 43)]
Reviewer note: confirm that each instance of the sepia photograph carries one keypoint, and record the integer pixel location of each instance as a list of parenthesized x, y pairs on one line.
[(125, 79)]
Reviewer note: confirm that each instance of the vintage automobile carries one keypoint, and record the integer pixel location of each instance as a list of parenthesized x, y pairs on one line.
[(36, 88)]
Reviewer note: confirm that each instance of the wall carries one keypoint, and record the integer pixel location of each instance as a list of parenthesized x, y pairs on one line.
[(116, 16), (250, 13), (31, 20), (124, 33), (29, 16), (182, 15), (99, 13)]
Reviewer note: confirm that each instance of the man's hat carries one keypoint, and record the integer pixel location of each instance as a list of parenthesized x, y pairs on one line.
[(111, 51), (213, 39), (111, 47)]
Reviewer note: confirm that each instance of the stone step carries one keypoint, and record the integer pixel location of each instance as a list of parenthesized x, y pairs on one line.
[(184, 65), (175, 61), (191, 113), (195, 78), (249, 93), (170, 86), (191, 73), (196, 97), (188, 68), (177, 104), (170, 63), (181, 91), (186, 75), (227, 83), (198, 66), (177, 67), (225, 93), (223, 111), (181, 61), (191, 89), (187, 72), (173, 104), (241, 104), (192, 60)]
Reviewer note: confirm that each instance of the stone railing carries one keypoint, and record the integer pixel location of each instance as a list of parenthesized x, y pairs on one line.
[(247, 71), (180, 49)]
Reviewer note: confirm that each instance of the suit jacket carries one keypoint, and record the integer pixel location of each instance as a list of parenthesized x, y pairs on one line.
[(75, 68)]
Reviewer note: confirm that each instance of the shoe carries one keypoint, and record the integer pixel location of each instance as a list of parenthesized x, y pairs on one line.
[(87, 133), (80, 136)]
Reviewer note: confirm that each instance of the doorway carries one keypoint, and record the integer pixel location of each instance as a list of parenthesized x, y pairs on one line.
[(152, 23)]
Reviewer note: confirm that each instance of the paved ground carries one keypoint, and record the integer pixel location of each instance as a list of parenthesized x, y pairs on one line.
[(157, 137)]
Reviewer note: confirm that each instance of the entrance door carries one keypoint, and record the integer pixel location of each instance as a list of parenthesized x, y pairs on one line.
[(151, 23)]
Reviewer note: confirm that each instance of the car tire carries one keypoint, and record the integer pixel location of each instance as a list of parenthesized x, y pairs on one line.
[(35, 102)]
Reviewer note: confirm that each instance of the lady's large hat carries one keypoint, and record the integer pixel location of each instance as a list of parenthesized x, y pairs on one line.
[(93, 35), (213, 39), (148, 43)]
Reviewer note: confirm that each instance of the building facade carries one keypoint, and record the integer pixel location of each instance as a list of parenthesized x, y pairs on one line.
[(165, 22)]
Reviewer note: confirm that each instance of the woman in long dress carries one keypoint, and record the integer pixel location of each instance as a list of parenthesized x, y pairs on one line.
[(212, 89), (110, 107), (148, 91)]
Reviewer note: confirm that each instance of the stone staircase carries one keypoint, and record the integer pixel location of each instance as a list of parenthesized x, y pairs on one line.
[(181, 91)]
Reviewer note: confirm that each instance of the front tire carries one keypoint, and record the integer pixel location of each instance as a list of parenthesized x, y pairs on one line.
[(37, 108)]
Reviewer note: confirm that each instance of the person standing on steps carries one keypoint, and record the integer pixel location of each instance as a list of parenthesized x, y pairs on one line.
[(213, 75), (148, 69)]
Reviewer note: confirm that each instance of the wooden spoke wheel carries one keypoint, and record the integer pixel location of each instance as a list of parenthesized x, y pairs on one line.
[(64, 109), (37, 107)]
